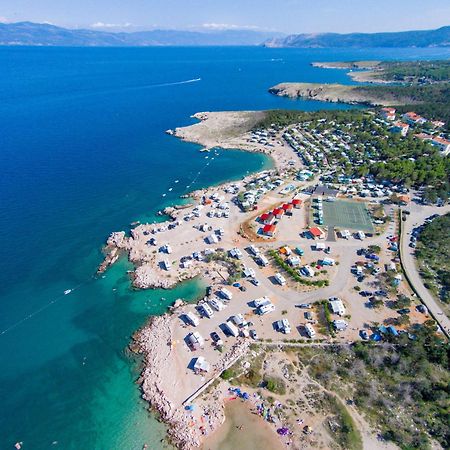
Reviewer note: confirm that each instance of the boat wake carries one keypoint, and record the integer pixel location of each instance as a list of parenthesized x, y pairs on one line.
[(41, 309), (193, 80)]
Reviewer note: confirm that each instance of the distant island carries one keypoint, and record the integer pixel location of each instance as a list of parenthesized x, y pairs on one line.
[(421, 38), (42, 34)]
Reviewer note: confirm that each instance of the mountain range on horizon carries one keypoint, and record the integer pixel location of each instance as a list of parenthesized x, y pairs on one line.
[(36, 34), (42, 34), (417, 38)]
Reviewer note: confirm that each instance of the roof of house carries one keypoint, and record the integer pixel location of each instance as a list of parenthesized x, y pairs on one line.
[(316, 231), (442, 141), (389, 110), (269, 228), (401, 125), (413, 116), (423, 136)]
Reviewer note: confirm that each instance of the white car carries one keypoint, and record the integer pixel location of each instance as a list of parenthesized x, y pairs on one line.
[(255, 281)]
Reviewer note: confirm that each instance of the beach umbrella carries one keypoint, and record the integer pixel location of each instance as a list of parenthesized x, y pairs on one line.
[(245, 396)]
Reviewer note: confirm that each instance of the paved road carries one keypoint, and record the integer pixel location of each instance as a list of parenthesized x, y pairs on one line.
[(417, 217)]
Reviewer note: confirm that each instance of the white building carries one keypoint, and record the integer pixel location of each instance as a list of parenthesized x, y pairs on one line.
[(337, 307), (192, 318), (310, 330), (225, 293), (201, 365), (340, 325), (207, 311), (283, 326), (212, 239), (216, 304), (280, 279)]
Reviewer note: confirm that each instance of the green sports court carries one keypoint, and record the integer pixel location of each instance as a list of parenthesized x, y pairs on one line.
[(345, 214)]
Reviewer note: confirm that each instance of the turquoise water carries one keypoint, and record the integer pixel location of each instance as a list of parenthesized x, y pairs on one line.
[(83, 153)]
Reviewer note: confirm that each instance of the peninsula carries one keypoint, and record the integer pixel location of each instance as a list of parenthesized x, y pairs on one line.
[(306, 287)]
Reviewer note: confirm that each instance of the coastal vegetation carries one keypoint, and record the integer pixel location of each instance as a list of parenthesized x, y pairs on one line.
[(293, 273), (233, 266), (402, 389), (343, 426), (415, 71), (433, 254), (372, 149)]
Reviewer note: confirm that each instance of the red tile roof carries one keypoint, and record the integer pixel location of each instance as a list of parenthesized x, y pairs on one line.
[(266, 216), (316, 231), (269, 228)]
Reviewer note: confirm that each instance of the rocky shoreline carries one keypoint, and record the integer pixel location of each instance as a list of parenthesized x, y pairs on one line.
[(154, 342), (336, 93), (167, 382)]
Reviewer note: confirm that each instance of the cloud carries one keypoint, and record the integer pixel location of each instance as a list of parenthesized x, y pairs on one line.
[(3, 20), (111, 25), (228, 26)]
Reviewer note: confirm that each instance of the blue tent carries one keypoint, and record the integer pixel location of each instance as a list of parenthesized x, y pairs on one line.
[(392, 330)]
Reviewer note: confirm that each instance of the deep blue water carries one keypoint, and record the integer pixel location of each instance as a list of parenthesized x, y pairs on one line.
[(82, 153)]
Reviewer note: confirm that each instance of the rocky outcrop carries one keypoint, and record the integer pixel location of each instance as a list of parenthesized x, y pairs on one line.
[(337, 93), (158, 381)]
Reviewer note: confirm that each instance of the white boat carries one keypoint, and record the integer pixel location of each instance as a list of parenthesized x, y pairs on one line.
[(67, 291)]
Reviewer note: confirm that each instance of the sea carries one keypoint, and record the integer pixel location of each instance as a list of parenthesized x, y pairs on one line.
[(83, 152)]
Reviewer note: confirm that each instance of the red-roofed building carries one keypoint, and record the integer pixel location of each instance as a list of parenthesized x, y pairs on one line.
[(267, 218), (317, 233), (278, 212), (437, 124), (413, 118), (297, 203), (424, 136), (388, 113), (400, 127), (443, 144), (269, 230), (288, 208)]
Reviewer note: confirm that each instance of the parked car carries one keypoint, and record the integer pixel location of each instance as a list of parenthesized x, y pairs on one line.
[(366, 293), (364, 334), (404, 311), (422, 308), (254, 335), (216, 338), (381, 293)]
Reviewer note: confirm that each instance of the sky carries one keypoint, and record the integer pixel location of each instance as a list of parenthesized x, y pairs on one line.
[(288, 16)]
